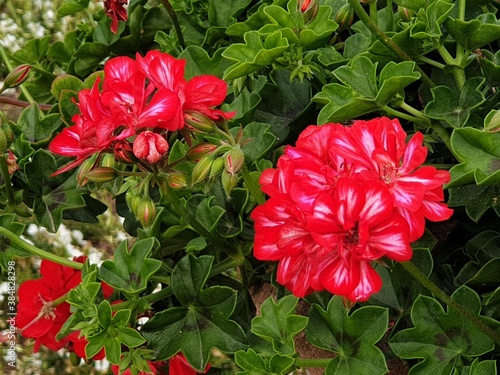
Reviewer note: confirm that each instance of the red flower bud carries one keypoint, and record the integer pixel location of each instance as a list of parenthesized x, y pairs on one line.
[(344, 16), (124, 153), (17, 76), (146, 211), (234, 160), (150, 146), (198, 122), (309, 9), (200, 150), (177, 180), (405, 13)]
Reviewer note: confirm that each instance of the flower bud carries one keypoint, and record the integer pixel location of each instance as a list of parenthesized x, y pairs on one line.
[(200, 150), (132, 200), (101, 174), (86, 166), (309, 9), (12, 165), (108, 160), (405, 13), (234, 160), (217, 167), (229, 182), (201, 169), (124, 153), (198, 122), (177, 180), (17, 76), (150, 146), (344, 17), (146, 211)]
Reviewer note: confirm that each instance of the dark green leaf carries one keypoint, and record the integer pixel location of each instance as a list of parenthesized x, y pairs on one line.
[(476, 199), (476, 33), (189, 277)]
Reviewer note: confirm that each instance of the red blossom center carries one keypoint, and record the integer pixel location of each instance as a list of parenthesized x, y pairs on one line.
[(388, 173)]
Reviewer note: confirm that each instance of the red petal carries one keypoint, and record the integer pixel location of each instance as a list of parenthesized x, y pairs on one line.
[(369, 283), (341, 277)]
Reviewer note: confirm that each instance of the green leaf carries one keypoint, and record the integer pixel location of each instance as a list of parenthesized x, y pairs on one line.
[(429, 20), (222, 13), (341, 103), (196, 329), (352, 337), (256, 53), (257, 139), (7, 249), (189, 277), (360, 75), (476, 199), (440, 338), (53, 195), (69, 9), (89, 56), (487, 367), (479, 157), (455, 107), (131, 270), (393, 79), (37, 128), (65, 82), (198, 62), (278, 324), (251, 362), (475, 33)]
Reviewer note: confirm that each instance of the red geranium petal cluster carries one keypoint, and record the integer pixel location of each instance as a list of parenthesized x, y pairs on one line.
[(38, 318), (115, 9), (149, 94), (343, 197)]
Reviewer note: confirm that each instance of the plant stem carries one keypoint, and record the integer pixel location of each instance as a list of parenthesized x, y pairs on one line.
[(415, 112), (312, 362), (396, 113), (443, 134), (14, 239), (386, 41), (4, 170), (373, 12), (456, 70), (9, 66), (426, 60), (434, 289), (175, 21), (22, 103), (253, 187)]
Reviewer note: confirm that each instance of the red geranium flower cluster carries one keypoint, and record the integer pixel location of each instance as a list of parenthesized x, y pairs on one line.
[(342, 198), (39, 316), (140, 101), (115, 9)]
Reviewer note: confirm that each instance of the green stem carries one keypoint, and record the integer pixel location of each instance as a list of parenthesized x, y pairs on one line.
[(395, 113), (434, 289), (14, 239), (175, 21), (415, 112), (312, 362), (457, 72), (426, 60), (385, 40), (252, 186), (4, 169), (9, 66), (389, 11), (443, 134), (373, 11)]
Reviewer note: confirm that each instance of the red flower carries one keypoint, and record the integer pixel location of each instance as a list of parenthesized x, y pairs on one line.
[(37, 317), (378, 151), (150, 146), (178, 365), (115, 10), (342, 198), (77, 345), (359, 225)]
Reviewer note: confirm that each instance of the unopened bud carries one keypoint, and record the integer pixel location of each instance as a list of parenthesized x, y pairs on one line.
[(234, 160), (86, 166), (108, 160), (146, 211), (132, 200), (17, 76), (150, 146), (177, 180), (344, 17), (198, 122), (101, 174), (200, 150), (124, 153), (229, 182), (12, 165), (201, 169), (217, 167), (405, 13), (309, 9)]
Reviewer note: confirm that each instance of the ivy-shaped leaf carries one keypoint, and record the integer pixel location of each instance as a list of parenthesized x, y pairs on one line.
[(439, 338), (475, 33), (479, 157), (53, 195), (352, 337), (476, 199), (202, 323), (278, 324), (393, 79), (429, 20), (455, 107), (198, 62), (131, 270), (254, 54), (37, 127), (253, 364), (360, 75), (7, 249)]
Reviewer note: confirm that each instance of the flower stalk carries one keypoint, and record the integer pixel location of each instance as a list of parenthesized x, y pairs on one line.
[(175, 21)]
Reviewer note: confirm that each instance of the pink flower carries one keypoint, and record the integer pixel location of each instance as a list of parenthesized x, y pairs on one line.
[(116, 11)]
